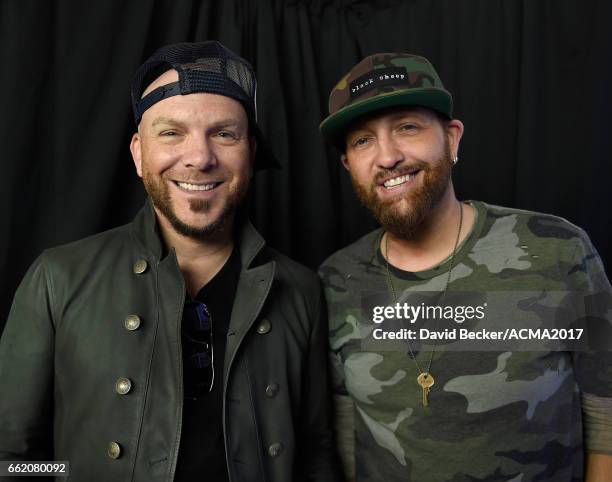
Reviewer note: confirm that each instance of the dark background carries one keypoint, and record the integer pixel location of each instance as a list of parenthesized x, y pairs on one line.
[(531, 81)]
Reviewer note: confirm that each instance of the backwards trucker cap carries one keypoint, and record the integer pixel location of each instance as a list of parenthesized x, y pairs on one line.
[(202, 67), (380, 81)]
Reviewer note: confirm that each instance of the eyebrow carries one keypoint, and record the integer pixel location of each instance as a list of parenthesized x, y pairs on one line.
[(166, 120), (412, 113), (220, 124), (361, 128)]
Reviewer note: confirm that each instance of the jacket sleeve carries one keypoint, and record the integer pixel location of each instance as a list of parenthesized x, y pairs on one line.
[(26, 370), (318, 453)]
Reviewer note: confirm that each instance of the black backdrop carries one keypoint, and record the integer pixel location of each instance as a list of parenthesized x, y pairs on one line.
[(531, 81)]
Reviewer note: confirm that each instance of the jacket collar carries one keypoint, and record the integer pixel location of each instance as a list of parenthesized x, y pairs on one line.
[(250, 242)]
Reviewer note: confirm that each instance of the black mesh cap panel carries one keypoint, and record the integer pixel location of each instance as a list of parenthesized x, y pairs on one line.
[(202, 67)]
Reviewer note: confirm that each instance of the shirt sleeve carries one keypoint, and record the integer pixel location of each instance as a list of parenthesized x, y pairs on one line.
[(593, 367), (597, 423), (342, 330)]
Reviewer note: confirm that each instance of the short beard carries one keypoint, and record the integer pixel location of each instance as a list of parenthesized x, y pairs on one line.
[(407, 225), (158, 191)]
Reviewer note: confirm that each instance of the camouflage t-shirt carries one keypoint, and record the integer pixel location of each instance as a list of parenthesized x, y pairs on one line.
[(493, 416)]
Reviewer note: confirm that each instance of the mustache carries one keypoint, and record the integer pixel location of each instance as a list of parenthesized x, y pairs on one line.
[(401, 170)]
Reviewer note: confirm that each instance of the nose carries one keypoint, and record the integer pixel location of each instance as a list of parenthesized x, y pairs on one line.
[(199, 153), (389, 154)]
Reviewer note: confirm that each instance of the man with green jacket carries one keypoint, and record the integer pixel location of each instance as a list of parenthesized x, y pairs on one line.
[(179, 346)]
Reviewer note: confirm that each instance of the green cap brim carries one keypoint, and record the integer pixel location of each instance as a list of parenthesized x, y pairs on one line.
[(431, 97)]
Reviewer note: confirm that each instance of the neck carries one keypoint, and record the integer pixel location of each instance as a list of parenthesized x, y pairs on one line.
[(436, 239), (199, 259)]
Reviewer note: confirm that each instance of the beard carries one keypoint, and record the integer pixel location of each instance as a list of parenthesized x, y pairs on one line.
[(406, 223), (158, 190)]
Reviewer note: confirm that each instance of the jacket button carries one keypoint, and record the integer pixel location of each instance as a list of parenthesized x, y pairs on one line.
[(123, 386), (264, 327), (272, 390), (274, 450), (114, 450), (140, 266), (132, 322)]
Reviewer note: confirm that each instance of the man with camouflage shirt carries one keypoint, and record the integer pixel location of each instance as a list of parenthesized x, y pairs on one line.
[(490, 415)]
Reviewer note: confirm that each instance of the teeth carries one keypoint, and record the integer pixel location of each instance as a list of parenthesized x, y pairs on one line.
[(195, 187), (397, 180)]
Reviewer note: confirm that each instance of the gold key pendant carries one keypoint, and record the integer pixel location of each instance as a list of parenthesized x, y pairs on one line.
[(426, 381)]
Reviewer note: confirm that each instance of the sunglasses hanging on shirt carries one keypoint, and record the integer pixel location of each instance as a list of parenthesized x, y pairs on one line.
[(198, 350)]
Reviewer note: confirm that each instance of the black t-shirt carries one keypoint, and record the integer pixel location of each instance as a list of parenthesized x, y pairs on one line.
[(202, 452)]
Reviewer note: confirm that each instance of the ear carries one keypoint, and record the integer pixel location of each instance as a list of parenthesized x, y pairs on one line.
[(136, 150), (454, 131), (345, 162)]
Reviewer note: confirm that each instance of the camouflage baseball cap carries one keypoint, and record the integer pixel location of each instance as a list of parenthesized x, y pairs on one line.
[(380, 81)]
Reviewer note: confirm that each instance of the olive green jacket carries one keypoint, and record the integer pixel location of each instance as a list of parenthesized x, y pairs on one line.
[(91, 364)]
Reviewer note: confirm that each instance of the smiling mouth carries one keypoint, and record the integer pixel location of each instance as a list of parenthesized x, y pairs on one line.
[(399, 180), (187, 186)]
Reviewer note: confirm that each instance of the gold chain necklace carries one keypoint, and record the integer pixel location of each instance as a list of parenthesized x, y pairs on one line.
[(425, 379)]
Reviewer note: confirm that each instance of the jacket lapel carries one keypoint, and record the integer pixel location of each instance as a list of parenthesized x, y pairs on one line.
[(254, 285), (253, 288)]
